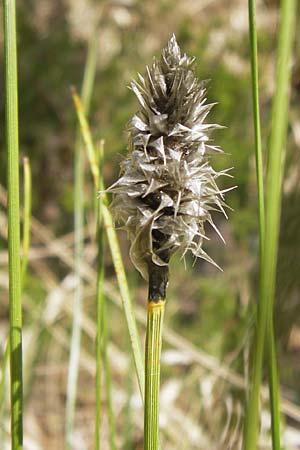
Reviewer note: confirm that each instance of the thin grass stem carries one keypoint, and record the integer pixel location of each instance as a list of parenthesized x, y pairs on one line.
[(273, 206), (12, 146), (270, 337), (100, 343), (109, 401), (86, 92), (256, 116)]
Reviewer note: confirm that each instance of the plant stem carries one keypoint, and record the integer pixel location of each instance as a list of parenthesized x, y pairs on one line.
[(256, 116), (273, 195), (12, 145), (152, 377), (156, 307), (109, 403), (270, 338), (87, 88)]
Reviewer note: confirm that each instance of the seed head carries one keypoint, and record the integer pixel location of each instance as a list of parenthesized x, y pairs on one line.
[(167, 187)]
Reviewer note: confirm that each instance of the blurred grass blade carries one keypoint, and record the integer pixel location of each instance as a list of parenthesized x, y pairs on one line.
[(3, 387), (256, 117), (273, 203), (274, 385), (26, 217), (86, 135), (125, 295), (100, 342), (86, 93), (115, 252), (12, 148), (109, 402)]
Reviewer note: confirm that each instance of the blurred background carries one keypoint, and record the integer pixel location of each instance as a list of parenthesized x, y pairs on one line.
[(210, 314)]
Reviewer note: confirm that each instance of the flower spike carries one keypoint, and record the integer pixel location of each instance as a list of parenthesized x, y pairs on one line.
[(167, 188)]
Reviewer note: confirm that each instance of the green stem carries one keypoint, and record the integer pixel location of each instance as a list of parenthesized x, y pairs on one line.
[(152, 373), (270, 338), (270, 248), (158, 279), (256, 116), (12, 145)]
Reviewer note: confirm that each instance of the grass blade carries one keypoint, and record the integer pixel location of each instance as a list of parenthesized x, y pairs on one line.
[(273, 196), (115, 252), (12, 146), (256, 116), (100, 342), (109, 403), (87, 88), (270, 339)]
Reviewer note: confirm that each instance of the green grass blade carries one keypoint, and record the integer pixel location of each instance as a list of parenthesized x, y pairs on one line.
[(125, 296), (256, 117), (99, 343), (273, 196), (270, 340), (274, 193), (109, 403), (12, 147), (87, 88), (115, 252), (26, 217)]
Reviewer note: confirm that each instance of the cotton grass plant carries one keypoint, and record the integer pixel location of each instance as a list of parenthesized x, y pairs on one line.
[(166, 193), (164, 199)]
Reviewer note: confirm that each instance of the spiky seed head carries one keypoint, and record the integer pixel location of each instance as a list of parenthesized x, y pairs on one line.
[(167, 187)]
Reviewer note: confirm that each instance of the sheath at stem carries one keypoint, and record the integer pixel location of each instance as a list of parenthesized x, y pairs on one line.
[(153, 351), (156, 307)]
